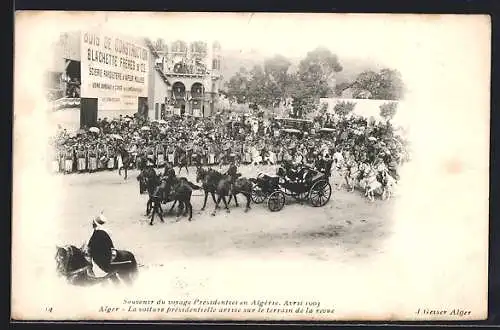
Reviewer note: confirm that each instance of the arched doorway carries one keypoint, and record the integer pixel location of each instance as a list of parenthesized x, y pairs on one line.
[(197, 92), (179, 97)]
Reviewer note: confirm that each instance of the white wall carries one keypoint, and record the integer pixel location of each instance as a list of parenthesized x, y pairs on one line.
[(67, 118), (160, 92), (368, 108)]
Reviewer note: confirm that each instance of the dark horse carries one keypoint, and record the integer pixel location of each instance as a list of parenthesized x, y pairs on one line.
[(126, 160), (161, 190), (151, 182), (72, 263), (222, 185)]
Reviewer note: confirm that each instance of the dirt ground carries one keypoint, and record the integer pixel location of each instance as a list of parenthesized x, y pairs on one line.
[(348, 226), (344, 246)]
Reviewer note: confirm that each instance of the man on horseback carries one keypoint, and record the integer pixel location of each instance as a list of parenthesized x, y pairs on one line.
[(100, 246), (168, 176), (169, 171), (232, 171)]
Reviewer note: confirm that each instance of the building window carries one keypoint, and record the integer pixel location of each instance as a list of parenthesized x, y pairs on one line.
[(157, 110)]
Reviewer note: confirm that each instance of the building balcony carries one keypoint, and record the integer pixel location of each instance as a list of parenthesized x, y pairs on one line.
[(185, 75)]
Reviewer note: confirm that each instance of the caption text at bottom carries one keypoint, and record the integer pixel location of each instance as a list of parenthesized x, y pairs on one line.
[(218, 306)]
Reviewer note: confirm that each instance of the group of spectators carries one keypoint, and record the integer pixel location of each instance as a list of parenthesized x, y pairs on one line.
[(221, 139)]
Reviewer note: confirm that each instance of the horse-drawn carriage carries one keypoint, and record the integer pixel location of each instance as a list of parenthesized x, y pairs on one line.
[(305, 185)]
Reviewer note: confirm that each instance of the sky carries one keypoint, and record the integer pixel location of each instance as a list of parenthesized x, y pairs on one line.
[(381, 37), (401, 41), (422, 47)]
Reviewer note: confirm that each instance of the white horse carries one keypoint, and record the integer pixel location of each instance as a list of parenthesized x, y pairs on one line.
[(388, 185), (351, 174), (370, 183)]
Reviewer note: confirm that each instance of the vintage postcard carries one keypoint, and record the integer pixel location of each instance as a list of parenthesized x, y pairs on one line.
[(241, 166)]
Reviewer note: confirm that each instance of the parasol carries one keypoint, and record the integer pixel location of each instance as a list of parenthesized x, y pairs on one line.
[(371, 138), (145, 128), (161, 121), (116, 136), (94, 129)]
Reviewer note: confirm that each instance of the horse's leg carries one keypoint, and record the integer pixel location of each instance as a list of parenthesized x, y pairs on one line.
[(235, 200), (186, 208), (172, 207), (160, 212), (125, 172), (152, 216), (187, 170), (216, 203), (179, 211), (205, 201), (225, 204), (114, 279), (148, 206), (248, 202), (213, 197), (188, 202)]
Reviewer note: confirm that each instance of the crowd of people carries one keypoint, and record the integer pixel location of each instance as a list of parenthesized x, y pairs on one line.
[(223, 139)]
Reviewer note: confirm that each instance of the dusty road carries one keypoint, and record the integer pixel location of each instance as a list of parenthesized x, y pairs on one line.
[(348, 226), (299, 251)]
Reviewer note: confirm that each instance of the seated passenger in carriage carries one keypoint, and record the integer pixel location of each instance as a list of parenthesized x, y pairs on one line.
[(292, 172)]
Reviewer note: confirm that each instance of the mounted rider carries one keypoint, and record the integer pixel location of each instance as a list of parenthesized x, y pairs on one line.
[(232, 171), (167, 179), (100, 246)]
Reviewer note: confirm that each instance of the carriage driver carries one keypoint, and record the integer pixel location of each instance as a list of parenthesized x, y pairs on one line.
[(100, 246)]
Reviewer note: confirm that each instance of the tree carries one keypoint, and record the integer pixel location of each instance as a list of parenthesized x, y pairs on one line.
[(237, 86), (323, 109), (366, 81), (258, 90), (391, 85), (344, 108), (340, 87), (276, 70), (388, 110), (385, 85), (317, 70)]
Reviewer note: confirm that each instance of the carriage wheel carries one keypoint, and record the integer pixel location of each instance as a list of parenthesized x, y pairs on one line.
[(320, 193), (258, 195), (276, 201)]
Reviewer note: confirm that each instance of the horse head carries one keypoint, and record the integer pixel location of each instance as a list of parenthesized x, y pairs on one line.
[(69, 257), (62, 260)]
